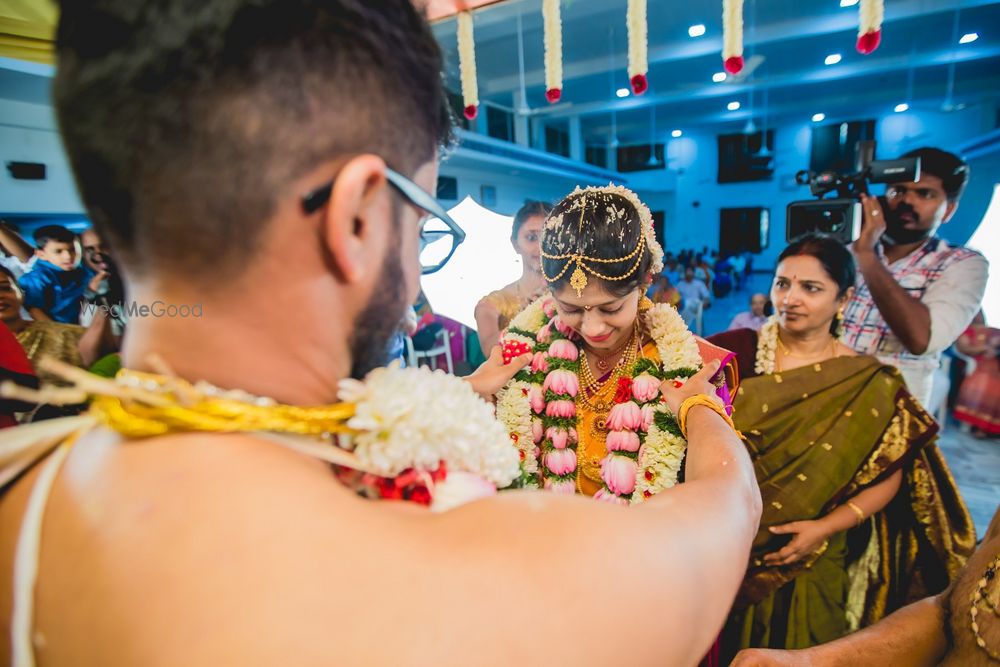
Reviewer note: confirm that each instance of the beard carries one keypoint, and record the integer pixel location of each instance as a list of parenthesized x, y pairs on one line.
[(380, 320), (896, 233)]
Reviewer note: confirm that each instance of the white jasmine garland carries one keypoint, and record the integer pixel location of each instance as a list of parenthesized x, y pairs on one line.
[(467, 62), (416, 418), (514, 411), (530, 319), (767, 346), (635, 19), (553, 49), (732, 35)]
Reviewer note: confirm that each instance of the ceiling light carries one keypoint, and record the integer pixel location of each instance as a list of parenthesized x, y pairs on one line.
[(696, 30), (733, 106), (676, 133), (969, 37), (719, 77), (819, 117), (622, 92), (900, 108), (832, 59), (848, 3)]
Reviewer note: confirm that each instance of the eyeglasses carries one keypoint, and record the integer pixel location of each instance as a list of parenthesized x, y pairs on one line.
[(900, 191), (440, 236)]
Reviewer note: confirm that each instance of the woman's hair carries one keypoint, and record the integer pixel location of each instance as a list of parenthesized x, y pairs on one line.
[(833, 256), (531, 208), (596, 226)]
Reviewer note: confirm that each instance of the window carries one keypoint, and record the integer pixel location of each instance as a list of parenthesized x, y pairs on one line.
[(499, 123), (641, 157), (742, 157), (447, 188), (834, 147), (743, 229), (557, 140), (596, 155)]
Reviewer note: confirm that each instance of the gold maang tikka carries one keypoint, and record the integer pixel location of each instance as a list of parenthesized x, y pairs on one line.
[(578, 280)]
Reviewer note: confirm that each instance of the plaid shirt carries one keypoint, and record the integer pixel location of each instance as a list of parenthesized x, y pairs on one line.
[(949, 280)]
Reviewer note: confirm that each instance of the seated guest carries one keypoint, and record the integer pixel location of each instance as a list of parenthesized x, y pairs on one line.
[(14, 367), (57, 282), (753, 318), (979, 397), (938, 630), (847, 466), (71, 343), (496, 309), (916, 293), (694, 295), (663, 291)]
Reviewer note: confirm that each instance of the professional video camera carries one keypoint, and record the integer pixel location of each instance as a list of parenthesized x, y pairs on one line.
[(841, 215)]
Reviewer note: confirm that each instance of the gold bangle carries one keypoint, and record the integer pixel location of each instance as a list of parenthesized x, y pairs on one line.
[(857, 510), (703, 400)]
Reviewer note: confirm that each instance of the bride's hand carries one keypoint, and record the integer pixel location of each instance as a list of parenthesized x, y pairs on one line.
[(494, 373), (699, 383)]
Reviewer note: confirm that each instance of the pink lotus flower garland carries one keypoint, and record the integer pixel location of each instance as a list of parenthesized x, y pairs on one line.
[(631, 471)]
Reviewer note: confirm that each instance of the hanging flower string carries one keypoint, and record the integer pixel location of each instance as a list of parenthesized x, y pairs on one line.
[(467, 65), (553, 50), (732, 35), (870, 15), (638, 57)]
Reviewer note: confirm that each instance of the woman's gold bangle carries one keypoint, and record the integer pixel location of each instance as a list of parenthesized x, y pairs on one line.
[(703, 400), (857, 510)]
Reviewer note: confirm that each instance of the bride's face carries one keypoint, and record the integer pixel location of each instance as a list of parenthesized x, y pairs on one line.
[(603, 320), (804, 295)]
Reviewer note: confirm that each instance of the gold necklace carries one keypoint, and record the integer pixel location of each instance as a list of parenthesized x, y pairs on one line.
[(979, 595), (590, 383), (602, 361), (788, 353)]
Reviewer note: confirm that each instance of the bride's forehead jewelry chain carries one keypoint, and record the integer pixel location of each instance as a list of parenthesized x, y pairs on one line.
[(580, 262)]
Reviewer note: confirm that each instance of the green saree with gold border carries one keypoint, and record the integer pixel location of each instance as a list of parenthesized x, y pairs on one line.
[(817, 436)]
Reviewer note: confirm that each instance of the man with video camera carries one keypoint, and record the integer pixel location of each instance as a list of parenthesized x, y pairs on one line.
[(915, 293)]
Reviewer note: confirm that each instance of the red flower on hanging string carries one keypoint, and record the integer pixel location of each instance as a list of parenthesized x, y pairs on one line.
[(552, 23), (732, 35), (870, 15), (467, 65), (638, 56)]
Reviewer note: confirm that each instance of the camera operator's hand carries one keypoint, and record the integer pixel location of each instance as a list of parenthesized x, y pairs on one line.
[(873, 226)]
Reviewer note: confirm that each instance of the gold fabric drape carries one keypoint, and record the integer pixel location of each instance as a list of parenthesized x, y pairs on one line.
[(27, 30)]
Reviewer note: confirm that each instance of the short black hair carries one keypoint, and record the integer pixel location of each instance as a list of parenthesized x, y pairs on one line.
[(951, 169), (56, 233), (185, 120), (530, 208)]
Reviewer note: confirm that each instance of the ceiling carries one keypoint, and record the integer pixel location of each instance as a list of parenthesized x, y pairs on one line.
[(919, 61)]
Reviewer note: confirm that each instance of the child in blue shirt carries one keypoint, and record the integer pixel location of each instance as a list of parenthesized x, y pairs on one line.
[(57, 282)]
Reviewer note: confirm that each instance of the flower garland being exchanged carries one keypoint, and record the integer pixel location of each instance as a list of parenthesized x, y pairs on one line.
[(405, 434), (539, 408)]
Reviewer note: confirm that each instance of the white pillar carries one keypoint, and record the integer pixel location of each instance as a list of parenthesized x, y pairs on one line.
[(575, 139)]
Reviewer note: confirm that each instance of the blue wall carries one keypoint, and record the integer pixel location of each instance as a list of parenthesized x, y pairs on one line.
[(695, 158)]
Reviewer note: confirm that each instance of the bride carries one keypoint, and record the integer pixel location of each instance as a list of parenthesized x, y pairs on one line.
[(586, 415)]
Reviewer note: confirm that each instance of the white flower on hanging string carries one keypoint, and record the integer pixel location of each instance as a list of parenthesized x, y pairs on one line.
[(870, 14), (467, 65), (732, 35), (553, 50), (638, 58)]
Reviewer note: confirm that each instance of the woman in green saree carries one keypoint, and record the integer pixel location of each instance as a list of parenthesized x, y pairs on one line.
[(861, 514)]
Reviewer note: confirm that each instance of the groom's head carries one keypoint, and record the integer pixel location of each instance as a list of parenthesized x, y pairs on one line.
[(195, 128)]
